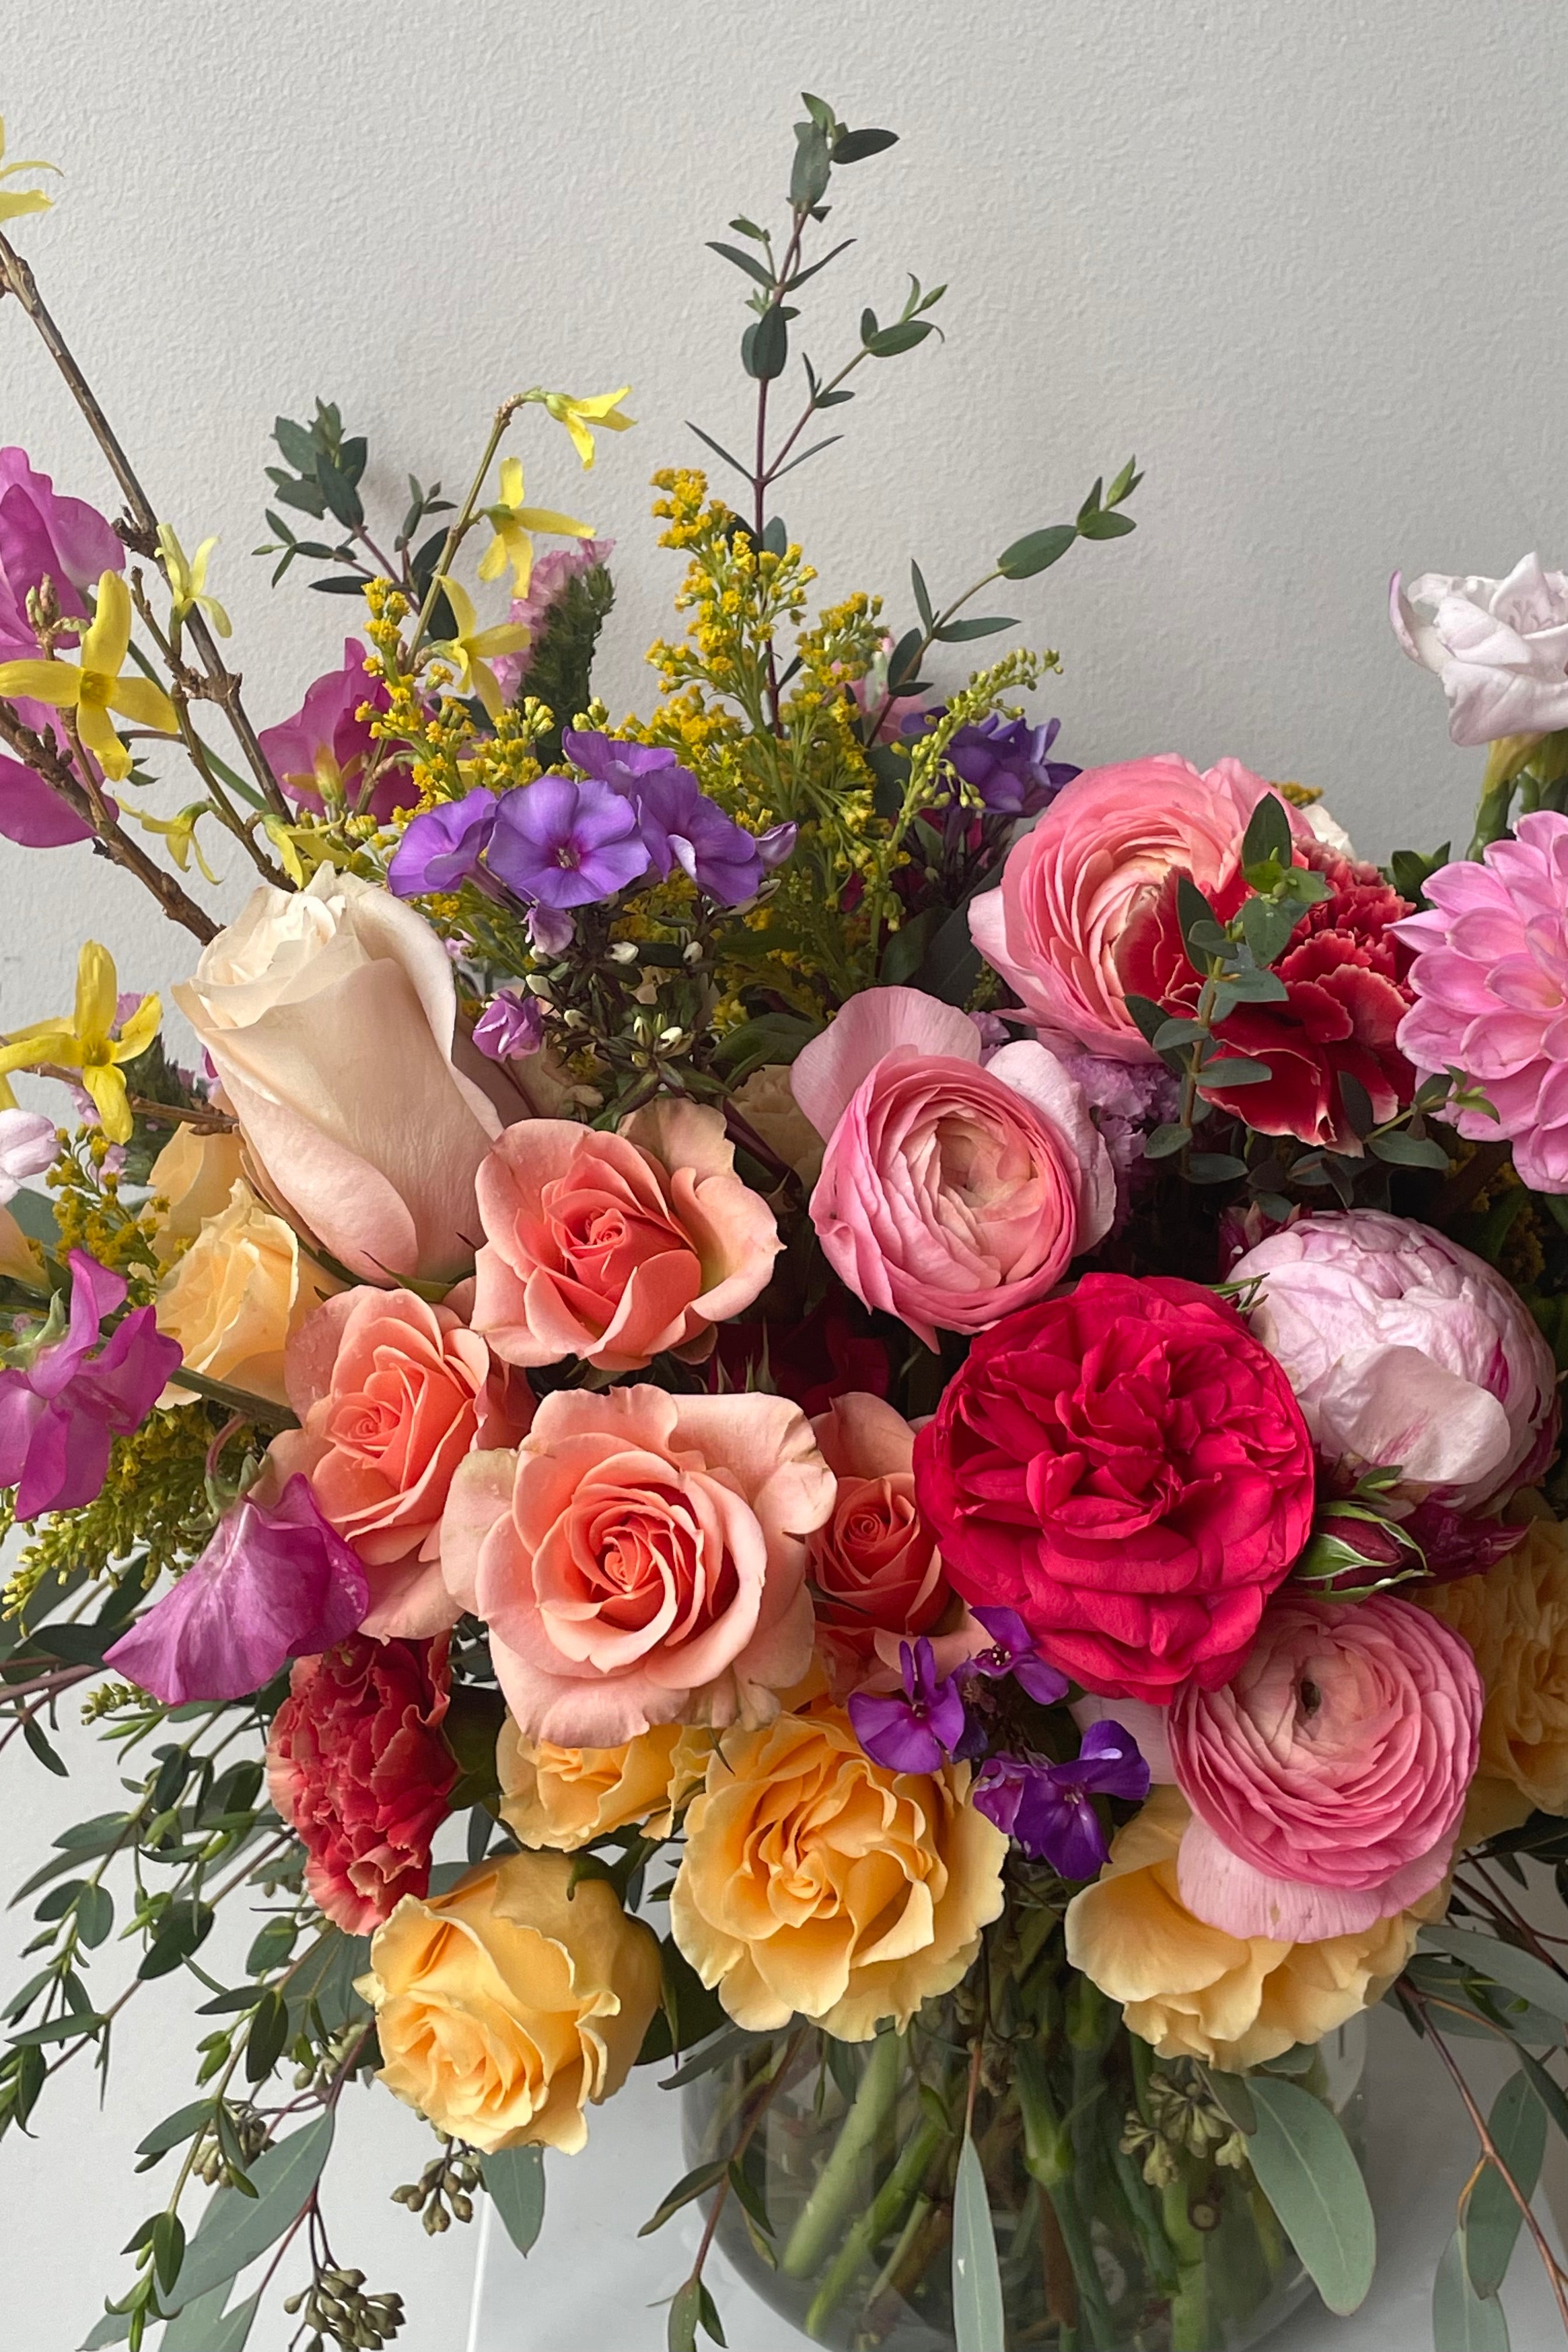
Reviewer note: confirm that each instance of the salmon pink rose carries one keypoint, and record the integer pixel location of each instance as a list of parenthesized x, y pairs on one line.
[(873, 1566), (391, 1394), (640, 1559), (950, 1193), (615, 1247), (1127, 1468)]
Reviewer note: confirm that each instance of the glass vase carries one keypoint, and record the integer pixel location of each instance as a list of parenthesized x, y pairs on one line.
[(1126, 2217)]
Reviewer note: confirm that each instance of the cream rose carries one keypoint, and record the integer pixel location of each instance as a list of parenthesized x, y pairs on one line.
[(563, 1797), (194, 1175), (1515, 1619), (239, 1293), (506, 2005)]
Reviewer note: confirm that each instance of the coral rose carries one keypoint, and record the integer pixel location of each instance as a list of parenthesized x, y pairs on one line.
[(950, 1193), (391, 1394), (873, 1566), (1328, 1777), (504, 2006), (564, 1796), (641, 1559), (615, 1247), (357, 1766), (1515, 1619), (816, 1883), (1193, 1991), (239, 1293), (1127, 1468)]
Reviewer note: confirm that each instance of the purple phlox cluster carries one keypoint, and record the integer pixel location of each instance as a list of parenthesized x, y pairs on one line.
[(919, 1730), (43, 536), (565, 843), (1127, 1099), (678, 823), (275, 1582), (1005, 761), (443, 846), (1013, 1653), (553, 574), (59, 1410), (509, 1026), (327, 741), (1049, 1808)]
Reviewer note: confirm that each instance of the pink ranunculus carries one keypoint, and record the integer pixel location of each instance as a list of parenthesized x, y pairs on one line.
[(641, 1559), (1499, 647), (1328, 1777), (950, 1195), (391, 1394), (1080, 891), (356, 1764), (1490, 979), (615, 1247), (327, 748), (1406, 1352), (873, 1566), (330, 1014)]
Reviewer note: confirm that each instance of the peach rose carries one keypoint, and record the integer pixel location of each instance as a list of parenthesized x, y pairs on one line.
[(563, 1797), (392, 1393), (613, 1247), (330, 1014), (765, 1100), (873, 1568), (641, 1559), (240, 1290), (1191, 1990), (504, 2006), (816, 1883), (1515, 1619), (195, 1175)]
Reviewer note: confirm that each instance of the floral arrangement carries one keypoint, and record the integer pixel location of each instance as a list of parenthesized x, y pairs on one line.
[(925, 1423)]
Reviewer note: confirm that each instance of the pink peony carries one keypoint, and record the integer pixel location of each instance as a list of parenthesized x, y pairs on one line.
[(357, 1766), (1078, 893), (873, 1566), (326, 748), (640, 1559), (1406, 1352), (1328, 1777), (1490, 978), (391, 1394), (615, 1247), (950, 1195)]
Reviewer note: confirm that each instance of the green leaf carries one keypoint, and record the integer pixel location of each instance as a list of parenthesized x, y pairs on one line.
[(923, 604), (1517, 2124), (1242, 986), (94, 1915), (1151, 1017), (1266, 928), (692, 2184), (854, 146), (764, 346), (174, 2129), (1503, 1964), (708, 2312), (1235, 1070), (269, 2032), (1463, 2321), (298, 449), (1305, 2168), (1268, 834), (685, 2312), (813, 166), (33, 1733), (1126, 482), (979, 2323), (58, 2028), (1035, 551), (168, 2250), (887, 342), (1164, 1140), (1403, 1150), (1215, 1168), (1106, 525), (181, 1931), (960, 633), (235, 2228), (515, 2179), (1192, 909), (1175, 1033), (746, 261), (205, 2326)]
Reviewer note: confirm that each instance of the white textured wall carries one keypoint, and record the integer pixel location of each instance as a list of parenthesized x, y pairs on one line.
[(1308, 261)]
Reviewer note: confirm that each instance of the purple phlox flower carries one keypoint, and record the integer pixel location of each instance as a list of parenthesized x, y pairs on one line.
[(1049, 1808), (679, 825), (509, 1026), (275, 1582), (550, 932), (918, 1732), (27, 1147), (58, 1412), (1013, 1652), (326, 743), (566, 843), (553, 574), (441, 847), (1005, 761)]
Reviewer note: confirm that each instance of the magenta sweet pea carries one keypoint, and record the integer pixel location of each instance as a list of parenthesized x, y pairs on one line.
[(60, 1410)]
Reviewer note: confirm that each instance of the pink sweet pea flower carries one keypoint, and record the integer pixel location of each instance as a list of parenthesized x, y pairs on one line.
[(58, 1413), (326, 743), (43, 535)]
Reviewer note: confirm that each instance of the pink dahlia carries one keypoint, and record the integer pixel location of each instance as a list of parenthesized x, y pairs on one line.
[(1490, 980)]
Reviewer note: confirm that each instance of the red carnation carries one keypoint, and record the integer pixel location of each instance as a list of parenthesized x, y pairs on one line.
[(1128, 1468), (357, 1765)]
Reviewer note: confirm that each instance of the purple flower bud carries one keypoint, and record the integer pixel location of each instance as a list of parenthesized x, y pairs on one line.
[(441, 848), (510, 1025), (916, 1733), (1013, 1652)]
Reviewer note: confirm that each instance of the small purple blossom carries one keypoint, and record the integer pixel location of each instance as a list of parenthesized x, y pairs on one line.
[(58, 1412), (918, 1732), (1013, 1652), (679, 823), (510, 1025), (442, 847), (566, 843), (550, 932), (275, 1582), (1049, 1808)]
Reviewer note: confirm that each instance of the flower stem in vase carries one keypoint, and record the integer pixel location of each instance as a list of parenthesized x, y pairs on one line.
[(1190, 2330), (1049, 2154), (877, 2219), (838, 2186)]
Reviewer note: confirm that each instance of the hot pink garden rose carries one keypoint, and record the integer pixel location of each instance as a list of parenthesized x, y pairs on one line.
[(615, 1247), (873, 1566), (640, 1559), (1490, 978), (1328, 1777), (950, 1195), (391, 1394)]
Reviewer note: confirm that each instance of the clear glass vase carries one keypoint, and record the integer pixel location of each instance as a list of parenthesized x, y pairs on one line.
[(1126, 2217)]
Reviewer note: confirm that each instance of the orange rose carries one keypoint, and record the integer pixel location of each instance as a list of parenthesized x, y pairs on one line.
[(874, 1566)]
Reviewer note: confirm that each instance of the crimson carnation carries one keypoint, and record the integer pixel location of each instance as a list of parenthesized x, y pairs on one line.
[(1128, 1468), (357, 1766)]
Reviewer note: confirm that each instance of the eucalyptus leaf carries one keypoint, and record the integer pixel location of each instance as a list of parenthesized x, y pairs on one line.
[(1403, 1150), (235, 2228), (1463, 2321), (205, 2326), (515, 2179), (1305, 2167), (1035, 551), (1268, 834), (1504, 1964), (1517, 2126), (978, 2322)]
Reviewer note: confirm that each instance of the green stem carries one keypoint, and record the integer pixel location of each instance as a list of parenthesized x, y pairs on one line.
[(1189, 2306), (880, 2216), (837, 2187)]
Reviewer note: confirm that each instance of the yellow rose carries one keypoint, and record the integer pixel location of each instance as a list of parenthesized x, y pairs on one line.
[(563, 1797), (195, 1174), (1195, 1992), (21, 1259), (503, 2007), (815, 1882), (1515, 1619), (242, 1287)]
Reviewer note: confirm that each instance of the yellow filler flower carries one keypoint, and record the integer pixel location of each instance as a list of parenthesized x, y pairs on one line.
[(187, 578), (577, 415), (92, 687), (86, 1042), (512, 522), (13, 201), (471, 650)]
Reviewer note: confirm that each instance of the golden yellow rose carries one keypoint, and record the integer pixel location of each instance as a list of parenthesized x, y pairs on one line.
[(1515, 1619), (195, 1174), (815, 1882), (238, 1292), (1195, 1992), (563, 1797), (503, 2007)]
